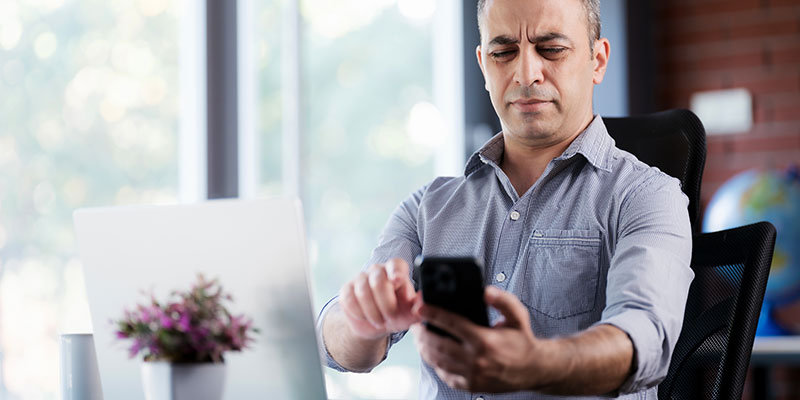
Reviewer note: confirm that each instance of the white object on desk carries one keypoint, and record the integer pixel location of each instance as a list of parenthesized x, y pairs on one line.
[(257, 250), (777, 345), (79, 376), (167, 381)]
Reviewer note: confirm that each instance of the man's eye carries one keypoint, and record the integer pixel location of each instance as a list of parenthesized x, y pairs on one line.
[(502, 54), (551, 51)]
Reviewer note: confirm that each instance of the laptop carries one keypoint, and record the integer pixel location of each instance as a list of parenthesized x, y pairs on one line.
[(257, 251)]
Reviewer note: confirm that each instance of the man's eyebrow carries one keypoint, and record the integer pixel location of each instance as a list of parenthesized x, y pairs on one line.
[(504, 40), (550, 36)]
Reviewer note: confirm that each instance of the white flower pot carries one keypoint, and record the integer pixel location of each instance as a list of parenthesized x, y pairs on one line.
[(167, 381)]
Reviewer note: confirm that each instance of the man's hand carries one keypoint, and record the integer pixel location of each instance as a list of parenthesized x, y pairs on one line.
[(503, 358), (373, 305), (508, 357), (380, 301)]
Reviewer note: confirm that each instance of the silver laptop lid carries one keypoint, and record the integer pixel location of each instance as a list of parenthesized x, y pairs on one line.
[(255, 248)]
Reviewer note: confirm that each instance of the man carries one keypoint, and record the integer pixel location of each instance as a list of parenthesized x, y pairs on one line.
[(586, 249)]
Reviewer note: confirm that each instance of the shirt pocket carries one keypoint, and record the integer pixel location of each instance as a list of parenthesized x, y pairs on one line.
[(561, 272)]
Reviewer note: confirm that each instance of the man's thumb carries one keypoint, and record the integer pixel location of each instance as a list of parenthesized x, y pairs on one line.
[(514, 312)]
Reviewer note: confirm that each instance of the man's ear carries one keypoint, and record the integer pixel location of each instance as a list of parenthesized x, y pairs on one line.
[(602, 50), (479, 54)]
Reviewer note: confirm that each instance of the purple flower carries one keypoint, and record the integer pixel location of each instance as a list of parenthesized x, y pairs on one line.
[(166, 322), (135, 347), (192, 326), (184, 323), (144, 315)]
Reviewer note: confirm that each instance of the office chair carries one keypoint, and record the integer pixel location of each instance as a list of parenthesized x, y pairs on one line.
[(711, 357), (672, 140)]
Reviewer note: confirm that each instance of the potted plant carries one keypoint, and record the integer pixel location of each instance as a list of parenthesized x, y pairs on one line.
[(183, 340)]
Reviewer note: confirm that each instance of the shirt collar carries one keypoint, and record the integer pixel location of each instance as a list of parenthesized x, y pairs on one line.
[(594, 143)]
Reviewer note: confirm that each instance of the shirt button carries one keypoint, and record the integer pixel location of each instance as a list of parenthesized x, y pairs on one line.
[(514, 215), (500, 277)]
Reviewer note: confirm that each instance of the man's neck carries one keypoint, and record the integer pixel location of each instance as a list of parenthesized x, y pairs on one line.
[(525, 164)]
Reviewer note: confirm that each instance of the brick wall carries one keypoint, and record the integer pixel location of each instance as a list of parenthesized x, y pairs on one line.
[(722, 44)]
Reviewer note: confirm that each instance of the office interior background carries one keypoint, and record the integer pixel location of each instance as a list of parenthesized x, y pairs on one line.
[(348, 104)]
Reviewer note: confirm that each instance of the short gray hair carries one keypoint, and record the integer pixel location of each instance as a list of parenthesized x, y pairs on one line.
[(592, 8)]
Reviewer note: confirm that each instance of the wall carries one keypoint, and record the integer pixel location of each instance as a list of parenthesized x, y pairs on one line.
[(719, 44), (753, 44)]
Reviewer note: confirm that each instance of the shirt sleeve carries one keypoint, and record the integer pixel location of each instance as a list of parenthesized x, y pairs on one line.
[(649, 277), (399, 239)]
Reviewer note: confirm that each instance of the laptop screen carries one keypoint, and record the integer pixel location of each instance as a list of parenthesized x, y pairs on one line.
[(255, 248)]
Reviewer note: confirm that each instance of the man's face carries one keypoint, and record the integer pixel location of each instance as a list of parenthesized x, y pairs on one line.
[(539, 68)]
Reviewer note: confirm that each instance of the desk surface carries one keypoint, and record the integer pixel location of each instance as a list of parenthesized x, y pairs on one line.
[(768, 350)]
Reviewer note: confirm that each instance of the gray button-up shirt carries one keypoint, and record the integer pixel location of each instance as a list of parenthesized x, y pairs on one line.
[(600, 238)]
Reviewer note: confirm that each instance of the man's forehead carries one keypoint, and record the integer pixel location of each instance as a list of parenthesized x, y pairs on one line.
[(533, 18)]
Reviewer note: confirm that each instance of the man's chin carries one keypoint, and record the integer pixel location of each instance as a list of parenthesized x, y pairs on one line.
[(535, 125), (535, 132), (542, 116)]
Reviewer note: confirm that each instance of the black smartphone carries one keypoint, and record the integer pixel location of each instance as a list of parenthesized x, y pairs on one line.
[(455, 284)]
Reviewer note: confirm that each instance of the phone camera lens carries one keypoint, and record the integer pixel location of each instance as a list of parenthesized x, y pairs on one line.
[(444, 278)]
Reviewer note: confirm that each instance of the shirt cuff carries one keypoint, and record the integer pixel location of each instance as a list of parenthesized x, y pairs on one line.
[(329, 360), (650, 364)]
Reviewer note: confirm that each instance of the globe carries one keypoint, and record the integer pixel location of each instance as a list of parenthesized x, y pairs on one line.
[(773, 196)]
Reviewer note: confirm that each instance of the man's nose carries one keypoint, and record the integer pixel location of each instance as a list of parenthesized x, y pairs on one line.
[(529, 67)]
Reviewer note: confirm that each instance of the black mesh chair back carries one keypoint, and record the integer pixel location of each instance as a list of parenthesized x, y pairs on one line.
[(711, 357), (674, 141)]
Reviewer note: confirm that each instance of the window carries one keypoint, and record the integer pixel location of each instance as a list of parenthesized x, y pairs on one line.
[(90, 117), (101, 106), (369, 132), (368, 98)]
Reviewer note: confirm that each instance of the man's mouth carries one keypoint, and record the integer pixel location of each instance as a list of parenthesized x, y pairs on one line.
[(530, 105)]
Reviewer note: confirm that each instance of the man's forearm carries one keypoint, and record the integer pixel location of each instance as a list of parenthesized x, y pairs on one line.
[(349, 350), (596, 361)]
